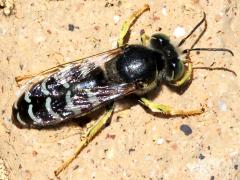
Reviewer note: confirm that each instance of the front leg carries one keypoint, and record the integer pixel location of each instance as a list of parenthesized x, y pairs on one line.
[(187, 77), (167, 110), (128, 24), (145, 39)]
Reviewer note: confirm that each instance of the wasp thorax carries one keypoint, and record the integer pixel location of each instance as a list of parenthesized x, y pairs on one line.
[(138, 64)]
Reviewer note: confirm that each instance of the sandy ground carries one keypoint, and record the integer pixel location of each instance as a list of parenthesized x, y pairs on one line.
[(137, 145)]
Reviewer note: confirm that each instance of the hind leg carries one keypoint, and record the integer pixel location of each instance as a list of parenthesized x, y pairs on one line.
[(88, 137)]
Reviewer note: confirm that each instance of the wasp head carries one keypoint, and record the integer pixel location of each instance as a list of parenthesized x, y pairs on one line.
[(173, 69)]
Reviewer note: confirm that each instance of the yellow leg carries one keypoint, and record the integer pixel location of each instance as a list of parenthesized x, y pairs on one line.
[(128, 24), (167, 110), (91, 133), (186, 77), (144, 38), (154, 107)]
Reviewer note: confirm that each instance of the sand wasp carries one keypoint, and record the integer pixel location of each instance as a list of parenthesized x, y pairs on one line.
[(77, 88)]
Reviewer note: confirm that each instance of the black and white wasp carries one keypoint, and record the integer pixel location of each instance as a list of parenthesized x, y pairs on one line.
[(75, 89), (82, 86)]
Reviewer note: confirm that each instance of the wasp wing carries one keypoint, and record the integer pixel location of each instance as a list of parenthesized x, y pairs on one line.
[(67, 73), (97, 59), (83, 101), (70, 92)]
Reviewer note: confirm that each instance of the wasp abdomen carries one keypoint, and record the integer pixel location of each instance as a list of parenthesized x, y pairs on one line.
[(52, 100), (33, 109)]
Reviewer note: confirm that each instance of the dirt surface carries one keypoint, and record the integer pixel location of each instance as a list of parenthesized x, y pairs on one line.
[(137, 145)]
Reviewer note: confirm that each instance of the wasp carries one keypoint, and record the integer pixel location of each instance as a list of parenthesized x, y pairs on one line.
[(77, 88)]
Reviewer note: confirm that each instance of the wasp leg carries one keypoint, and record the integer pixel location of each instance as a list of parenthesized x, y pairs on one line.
[(90, 134), (167, 110), (128, 24), (144, 38)]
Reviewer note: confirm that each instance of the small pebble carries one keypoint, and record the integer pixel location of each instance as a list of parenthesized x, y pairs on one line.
[(116, 19), (71, 27), (160, 141), (186, 129), (179, 32), (164, 11)]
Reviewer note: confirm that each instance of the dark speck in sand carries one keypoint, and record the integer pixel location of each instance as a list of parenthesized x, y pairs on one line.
[(71, 27), (186, 129), (201, 156), (131, 150), (212, 178)]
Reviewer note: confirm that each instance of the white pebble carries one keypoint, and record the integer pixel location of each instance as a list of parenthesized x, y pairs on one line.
[(164, 11), (179, 32), (160, 141), (116, 19)]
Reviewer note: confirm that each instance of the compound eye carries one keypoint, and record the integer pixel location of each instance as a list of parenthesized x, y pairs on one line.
[(159, 40), (178, 69)]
